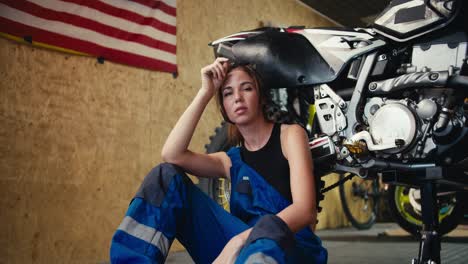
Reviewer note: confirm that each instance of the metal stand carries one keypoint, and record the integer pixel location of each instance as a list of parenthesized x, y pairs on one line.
[(429, 247)]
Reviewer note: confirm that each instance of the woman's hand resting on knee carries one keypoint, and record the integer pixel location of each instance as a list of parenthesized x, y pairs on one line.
[(230, 251)]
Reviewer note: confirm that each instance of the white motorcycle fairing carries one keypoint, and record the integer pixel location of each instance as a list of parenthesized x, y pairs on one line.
[(296, 57)]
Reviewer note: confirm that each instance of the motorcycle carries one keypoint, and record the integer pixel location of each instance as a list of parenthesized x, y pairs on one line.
[(386, 101)]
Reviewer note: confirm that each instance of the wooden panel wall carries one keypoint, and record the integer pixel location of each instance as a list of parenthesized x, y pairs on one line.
[(77, 137)]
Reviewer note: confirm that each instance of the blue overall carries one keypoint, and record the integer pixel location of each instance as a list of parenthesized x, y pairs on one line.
[(168, 205)]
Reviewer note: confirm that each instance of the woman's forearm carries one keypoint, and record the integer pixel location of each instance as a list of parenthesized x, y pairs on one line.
[(175, 148), (297, 217), (294, 216), (177, 142), (244, 235)]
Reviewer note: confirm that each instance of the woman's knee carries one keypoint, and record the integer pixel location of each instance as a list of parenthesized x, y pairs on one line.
[(157, 183), (274, 228), (270, 241)]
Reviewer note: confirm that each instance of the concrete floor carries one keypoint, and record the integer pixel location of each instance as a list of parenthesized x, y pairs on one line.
[(385, 243)]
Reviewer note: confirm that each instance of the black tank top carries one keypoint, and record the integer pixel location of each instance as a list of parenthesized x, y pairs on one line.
[(270, 163)]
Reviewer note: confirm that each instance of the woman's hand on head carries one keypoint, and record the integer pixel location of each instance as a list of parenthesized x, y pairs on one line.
[(213, 75)]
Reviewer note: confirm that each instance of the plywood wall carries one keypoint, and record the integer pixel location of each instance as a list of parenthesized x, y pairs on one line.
[(77, 137)]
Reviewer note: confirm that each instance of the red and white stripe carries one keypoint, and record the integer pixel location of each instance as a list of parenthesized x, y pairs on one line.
[(318, 142), (140, 33)]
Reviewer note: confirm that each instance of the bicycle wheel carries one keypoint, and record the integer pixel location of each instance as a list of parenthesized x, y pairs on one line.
[(359, 198)]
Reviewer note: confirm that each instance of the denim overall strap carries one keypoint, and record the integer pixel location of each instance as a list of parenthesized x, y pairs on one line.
[(253, 199), (251, 195)]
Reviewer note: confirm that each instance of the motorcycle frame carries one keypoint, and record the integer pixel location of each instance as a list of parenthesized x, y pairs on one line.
[(430, 181), (432, 173)]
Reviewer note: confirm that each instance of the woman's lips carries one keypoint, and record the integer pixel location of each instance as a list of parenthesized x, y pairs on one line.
[(240, 110)]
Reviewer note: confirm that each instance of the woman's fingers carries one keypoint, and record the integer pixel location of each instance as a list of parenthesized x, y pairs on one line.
[(221, 69), (223, 62), (226, 66), (214, 73), (218, 69), (219, 74), (221, 59)]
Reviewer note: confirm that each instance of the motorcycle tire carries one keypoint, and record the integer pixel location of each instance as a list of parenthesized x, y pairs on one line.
[(359, 198), (220, 189), (405, 210)]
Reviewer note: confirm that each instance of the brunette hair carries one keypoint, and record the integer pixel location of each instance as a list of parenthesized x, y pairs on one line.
[(234, 136)]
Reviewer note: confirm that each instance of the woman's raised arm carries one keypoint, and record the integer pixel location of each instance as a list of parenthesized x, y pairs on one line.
[(175, 149)]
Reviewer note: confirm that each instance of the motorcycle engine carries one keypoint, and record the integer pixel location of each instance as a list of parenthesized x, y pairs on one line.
[(404, 122), (391, 122)]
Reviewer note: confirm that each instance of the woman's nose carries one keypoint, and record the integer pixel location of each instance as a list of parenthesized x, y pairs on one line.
[(237, 96)]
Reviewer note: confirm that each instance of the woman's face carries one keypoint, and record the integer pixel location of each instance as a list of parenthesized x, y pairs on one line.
[(241, 97)]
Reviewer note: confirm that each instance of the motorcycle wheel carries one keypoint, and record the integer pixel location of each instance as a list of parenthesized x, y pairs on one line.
[(220, 189), (359, 198), (405, 206)]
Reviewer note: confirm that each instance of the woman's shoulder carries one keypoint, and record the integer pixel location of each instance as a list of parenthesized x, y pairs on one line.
[(291, 135), (292, 130)]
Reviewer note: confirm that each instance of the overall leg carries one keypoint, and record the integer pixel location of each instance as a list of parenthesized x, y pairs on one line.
[(149, 226), (272, 242), (169, 206), (207, 227)]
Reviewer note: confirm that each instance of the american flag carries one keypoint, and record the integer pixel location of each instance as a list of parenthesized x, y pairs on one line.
[(140, 33)]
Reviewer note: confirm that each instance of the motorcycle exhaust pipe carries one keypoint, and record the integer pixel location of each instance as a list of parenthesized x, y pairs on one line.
[(458, 81)]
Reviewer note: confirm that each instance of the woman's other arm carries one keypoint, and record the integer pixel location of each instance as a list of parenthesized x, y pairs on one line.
[(302, 212), (175, 149)]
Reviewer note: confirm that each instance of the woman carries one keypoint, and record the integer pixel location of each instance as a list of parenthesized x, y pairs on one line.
[(273, 194)]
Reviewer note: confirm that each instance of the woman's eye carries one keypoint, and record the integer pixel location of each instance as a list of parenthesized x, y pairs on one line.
[(248, 88), (227, 94)]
